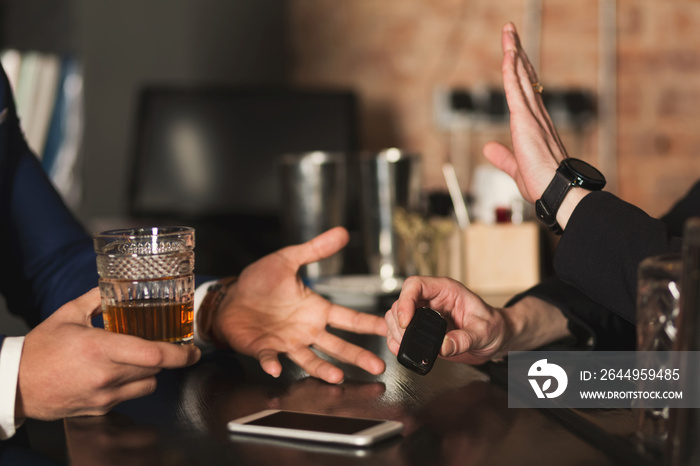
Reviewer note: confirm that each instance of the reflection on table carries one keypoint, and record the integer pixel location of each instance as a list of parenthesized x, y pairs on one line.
[(454, 415)]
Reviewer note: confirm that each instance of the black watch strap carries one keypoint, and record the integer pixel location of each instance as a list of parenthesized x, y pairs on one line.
[(571, 172), (547, 206)]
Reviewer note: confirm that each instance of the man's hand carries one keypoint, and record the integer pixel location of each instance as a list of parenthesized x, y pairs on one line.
[(269, 311), (68, 368), (477, 332)]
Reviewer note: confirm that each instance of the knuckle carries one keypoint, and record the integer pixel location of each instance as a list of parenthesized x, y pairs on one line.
[(152, 355), (149, 386), (103, 402), (92, 349), (412, 281), (103, 378)]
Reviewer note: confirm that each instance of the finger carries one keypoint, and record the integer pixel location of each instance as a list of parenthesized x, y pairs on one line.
[(270, 363), (510, 42), (508, 34), (394, 331), (517, 68), (95, 312), (344, 318), (417, 292), (513, 87), (393, 346), (449, 347), (136, 389), (527, 76), (405, 306), (476, 340), (346, 352), (324, 245), (135, 351), (102, 403), (315, 366), (513, 50), (505, 160), (81, 309), (523, 100)]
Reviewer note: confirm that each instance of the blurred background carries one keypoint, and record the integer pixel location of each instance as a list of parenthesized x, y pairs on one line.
[(621, 78)]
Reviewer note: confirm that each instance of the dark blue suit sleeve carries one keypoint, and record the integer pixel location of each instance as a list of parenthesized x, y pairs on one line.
[(47, 257)]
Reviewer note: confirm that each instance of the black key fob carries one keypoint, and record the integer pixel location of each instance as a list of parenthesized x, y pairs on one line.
[(422, 340)]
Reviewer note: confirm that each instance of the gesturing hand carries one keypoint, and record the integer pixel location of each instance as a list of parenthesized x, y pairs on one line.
[(68, 368), (270, 311), (537, 149)]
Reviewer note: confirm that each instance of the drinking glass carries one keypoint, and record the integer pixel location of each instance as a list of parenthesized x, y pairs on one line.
[(658, 301), (147, 282), (313, 201)]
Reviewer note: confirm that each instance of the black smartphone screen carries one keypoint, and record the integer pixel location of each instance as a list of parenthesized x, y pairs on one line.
[(315, 423)]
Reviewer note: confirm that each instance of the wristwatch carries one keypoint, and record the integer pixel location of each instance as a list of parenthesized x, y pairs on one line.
[(571, 173)]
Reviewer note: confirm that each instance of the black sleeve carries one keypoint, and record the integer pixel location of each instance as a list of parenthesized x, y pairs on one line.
[(597, 260), (688, 206), (604, 242), (589, 322)]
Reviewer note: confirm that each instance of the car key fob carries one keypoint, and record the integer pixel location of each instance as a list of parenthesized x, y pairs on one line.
[(422, 340)]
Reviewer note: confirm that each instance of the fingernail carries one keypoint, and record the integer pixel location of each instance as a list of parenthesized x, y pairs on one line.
[(402, 320), (448, 347), (511, 34)]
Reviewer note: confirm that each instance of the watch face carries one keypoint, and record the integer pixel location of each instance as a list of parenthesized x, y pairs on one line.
[(588, 174)]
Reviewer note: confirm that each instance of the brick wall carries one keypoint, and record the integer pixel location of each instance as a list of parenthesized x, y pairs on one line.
[(395, 52)]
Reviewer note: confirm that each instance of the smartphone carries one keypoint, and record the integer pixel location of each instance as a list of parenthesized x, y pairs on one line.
[(316, 427)]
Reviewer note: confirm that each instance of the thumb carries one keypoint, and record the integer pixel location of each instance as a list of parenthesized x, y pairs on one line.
[(456, 342), (324, 245), (501, 157), (81, 309)]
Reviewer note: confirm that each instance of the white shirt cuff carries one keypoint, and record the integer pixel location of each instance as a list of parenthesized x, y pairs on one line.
[(10, 355), (199, 295)]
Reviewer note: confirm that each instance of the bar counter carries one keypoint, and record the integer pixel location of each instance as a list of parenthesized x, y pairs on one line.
[(455, 415)]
